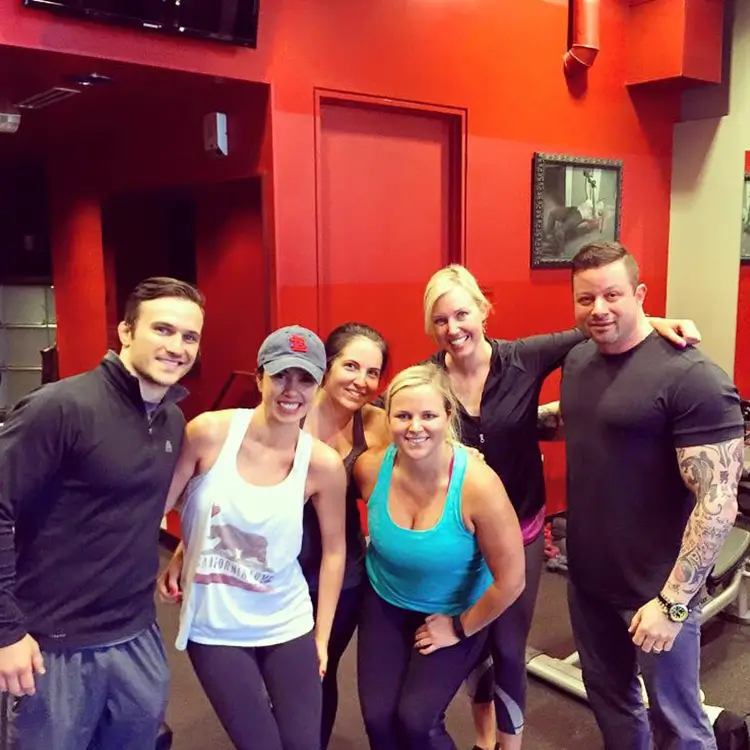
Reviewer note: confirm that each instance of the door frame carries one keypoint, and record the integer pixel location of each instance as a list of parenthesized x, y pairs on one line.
[(455, 117)]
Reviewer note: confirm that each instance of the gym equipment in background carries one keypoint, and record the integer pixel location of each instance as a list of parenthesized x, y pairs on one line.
[(726, 593)]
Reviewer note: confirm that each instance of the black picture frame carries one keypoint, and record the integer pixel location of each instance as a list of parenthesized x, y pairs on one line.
[(575, 200), (745, 234)]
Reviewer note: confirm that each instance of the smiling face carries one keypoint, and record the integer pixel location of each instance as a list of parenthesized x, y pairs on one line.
[(418, 420), (353, 377), (287, 395), (608, 307), (162, 344), (458, 323)]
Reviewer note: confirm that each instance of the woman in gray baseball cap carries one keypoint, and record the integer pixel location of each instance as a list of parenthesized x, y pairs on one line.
[(247, 616)]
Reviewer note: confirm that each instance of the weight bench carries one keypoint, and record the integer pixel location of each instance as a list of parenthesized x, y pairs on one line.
[(727, 591)]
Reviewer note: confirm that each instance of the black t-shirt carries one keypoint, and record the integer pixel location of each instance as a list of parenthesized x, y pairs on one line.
[(624, 417)]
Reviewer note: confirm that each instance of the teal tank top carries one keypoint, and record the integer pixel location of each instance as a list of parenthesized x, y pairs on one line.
[(438, 570)]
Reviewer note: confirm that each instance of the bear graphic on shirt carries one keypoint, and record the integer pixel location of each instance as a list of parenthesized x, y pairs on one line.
[(238, 558), (237, 544)]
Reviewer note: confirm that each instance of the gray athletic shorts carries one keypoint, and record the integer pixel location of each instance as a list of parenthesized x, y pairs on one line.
[(107, 698)]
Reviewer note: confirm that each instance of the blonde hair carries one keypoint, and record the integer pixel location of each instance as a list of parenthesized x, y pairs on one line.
[(434, 376), (444, 281)]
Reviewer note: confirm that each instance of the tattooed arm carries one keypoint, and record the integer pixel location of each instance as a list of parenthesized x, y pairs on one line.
[(712, 472)]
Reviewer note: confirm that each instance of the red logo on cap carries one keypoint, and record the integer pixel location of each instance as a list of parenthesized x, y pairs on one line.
[(298, 344)]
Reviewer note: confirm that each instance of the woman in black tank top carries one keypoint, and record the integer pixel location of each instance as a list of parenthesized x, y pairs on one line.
[(342, 417)]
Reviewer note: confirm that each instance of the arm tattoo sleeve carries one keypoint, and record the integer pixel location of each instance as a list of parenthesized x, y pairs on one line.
[(712, 472)]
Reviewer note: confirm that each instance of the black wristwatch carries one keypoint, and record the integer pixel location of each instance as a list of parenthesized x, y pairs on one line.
[(458, 627), (675, 611)]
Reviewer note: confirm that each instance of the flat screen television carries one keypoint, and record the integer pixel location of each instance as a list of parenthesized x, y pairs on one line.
[(231, 21)]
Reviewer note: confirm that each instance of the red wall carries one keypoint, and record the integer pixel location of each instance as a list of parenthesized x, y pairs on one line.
[(76, 258), (501, 61), (167, 156), (380, 239), (232, 274), (742, 345)]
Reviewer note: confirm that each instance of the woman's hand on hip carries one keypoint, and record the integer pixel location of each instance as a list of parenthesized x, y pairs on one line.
[(436, 633)]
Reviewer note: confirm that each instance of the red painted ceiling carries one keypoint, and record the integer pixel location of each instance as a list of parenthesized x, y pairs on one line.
[(136, 95)]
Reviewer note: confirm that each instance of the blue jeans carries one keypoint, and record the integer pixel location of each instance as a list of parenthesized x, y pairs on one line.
[(610, 662)]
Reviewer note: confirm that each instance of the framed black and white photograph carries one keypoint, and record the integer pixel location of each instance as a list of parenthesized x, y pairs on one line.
[(745, 241), (575, 200)]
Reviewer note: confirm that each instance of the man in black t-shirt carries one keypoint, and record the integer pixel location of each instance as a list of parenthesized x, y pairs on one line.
[(654, 448)]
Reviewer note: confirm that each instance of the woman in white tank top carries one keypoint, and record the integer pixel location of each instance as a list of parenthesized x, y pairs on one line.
[(246, 618)]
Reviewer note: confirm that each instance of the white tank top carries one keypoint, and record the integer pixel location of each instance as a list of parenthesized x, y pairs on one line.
[(242, 583)]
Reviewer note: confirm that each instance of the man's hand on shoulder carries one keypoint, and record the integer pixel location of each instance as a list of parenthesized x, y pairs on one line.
[(475, 453), (18, 663)]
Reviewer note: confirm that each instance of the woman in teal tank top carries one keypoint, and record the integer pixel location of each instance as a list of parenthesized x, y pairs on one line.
[(445, 560)]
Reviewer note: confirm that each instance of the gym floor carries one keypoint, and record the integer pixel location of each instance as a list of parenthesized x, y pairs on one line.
[(555, 721)]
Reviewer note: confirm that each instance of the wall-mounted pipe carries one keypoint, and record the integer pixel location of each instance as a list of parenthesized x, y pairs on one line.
[(585, 42)]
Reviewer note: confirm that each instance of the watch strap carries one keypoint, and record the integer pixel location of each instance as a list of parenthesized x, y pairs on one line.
[(667, 605), (458, 627)]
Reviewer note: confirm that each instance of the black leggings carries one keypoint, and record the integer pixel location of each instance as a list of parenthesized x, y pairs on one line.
[(505, 682), (344, 624), (242, 683), (403, 694)]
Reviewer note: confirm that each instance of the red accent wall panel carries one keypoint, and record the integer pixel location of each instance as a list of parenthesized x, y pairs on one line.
[(385, 212), (173, 524), (673, 39), (125, 181), (77, 257), (742, 350), (232, 273), (742, 346)]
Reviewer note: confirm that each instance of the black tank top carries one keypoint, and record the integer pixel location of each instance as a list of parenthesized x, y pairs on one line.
[(312, 547)]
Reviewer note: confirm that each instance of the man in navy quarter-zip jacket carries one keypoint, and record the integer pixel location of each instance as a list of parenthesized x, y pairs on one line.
[(85, 467)]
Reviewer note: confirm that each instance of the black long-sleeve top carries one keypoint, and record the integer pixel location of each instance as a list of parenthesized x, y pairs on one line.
[(84, 476), (505, 430)]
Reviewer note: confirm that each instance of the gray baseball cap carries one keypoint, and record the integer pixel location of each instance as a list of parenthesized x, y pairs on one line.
[(293, 346)]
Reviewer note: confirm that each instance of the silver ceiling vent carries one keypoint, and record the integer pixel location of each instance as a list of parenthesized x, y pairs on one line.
[(45, 98)]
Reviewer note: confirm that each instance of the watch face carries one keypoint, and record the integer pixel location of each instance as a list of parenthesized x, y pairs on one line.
[(678, 613)]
